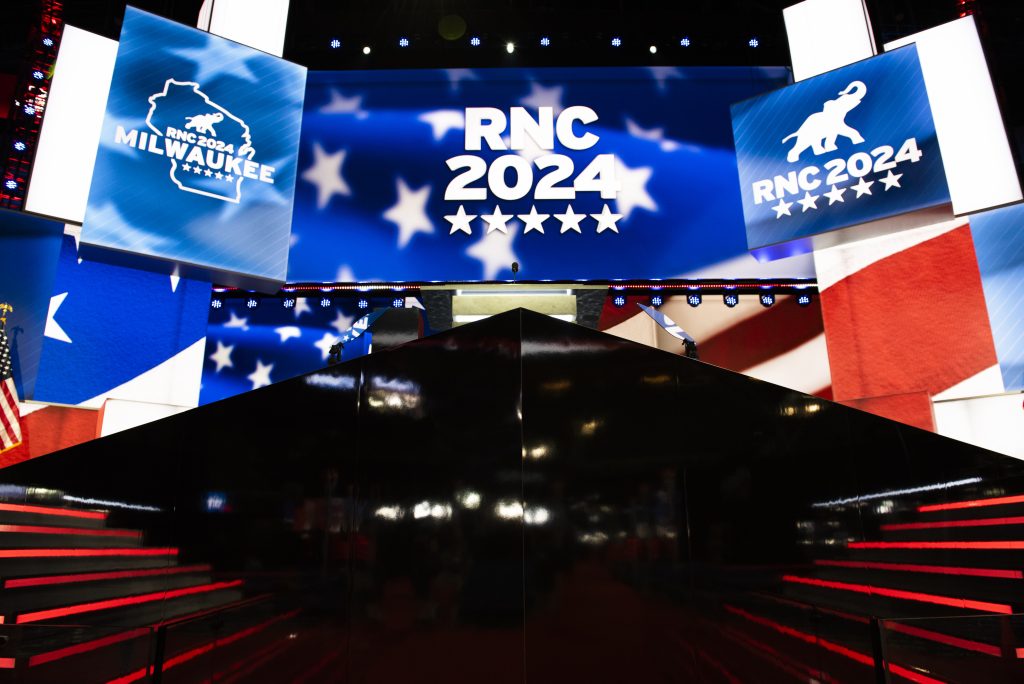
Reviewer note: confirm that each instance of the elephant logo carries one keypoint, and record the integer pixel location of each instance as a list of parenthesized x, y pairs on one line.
[(203, 123), (820, 130)]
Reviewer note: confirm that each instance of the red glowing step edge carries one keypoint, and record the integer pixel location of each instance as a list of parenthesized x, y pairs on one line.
[(963, 545), (976, 503), (78, 531), (939, 524), (49, 510), (933, 569), (123, 601), (84, 553), (966, 604), (47, 580)]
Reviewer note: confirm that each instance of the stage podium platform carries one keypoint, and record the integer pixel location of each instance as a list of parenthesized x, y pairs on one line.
[(517, 499)]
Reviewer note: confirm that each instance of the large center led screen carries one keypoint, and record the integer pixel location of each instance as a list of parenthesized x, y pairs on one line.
[(573, 173)]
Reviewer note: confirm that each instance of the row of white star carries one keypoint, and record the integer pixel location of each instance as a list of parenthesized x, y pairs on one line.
[(199, 170), (809, 201), (460, 220)]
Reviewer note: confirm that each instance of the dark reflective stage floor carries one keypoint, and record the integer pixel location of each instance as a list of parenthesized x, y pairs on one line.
[(517, 499)]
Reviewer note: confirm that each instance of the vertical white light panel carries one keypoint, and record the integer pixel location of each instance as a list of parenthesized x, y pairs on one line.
[(827, 34), (257, 23), (66, 151), (975, 151)]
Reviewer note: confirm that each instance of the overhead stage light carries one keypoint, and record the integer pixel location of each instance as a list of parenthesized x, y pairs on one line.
[(474, 41), (48, 42), (11, 185), (767, 299), (616, 41), (684, 42), (252, 302), (654, 49), (694, 299), (656, 300), (335, 43), (619, 301), (545, 41), (730, 299), (216, 304), (398, 303), (403, 42), (288, 302), (753, 42), (363, 304), (30, 110), (366, 49), (38, 75), (803, 300), (20, 146), (510, 48)]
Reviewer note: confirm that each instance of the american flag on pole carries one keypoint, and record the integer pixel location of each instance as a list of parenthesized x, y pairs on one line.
[(10, 417)]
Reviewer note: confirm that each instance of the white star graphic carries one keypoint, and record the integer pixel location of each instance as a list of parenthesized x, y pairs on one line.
[(218, 59), (632, 189), (656, 135), (325, 174), (460, 221), (302, 306), (570, 220), (533, 221), (324, 344), (342, 322), (496, 221), (443, 120), (175, 279), (544, 97), (782, 208), (53, 329), (222, 357), (287, 332), (863, 188), (236, 322), (457, 76), (261, 376), (410, 212), (661, 74), (808, 201), (339, 104), (494, 250), (891, 180), (606, 220), (835, 195)]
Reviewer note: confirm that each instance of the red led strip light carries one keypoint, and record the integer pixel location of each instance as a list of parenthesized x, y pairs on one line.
[(934, 569), (47, 580), (936, 524), (84, 553), (6, 663), (124, 601), (78, 531), (990, 545), (966, 604), (47, 510), (939, 637), (976, 503)]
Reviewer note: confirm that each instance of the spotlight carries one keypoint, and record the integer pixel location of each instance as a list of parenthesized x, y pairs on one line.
[(616, 41), (403, 42), (619, 301), (48, 42), (694, 299), (474, 41), (325, 302), (366, 49), (767, 299), (30, 110), (730, 299), (11, 185), (685, 42), (654, 49), (216, 304), (38, 75), (656, 300), (803, 300), (288, 302), (20, 146), (510, 48), (398, 303), (545, 41), (753, 42), (363, 304), (251, 302), (335, 43)]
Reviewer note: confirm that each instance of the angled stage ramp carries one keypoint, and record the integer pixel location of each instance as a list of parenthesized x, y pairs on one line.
[(519, 499)]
